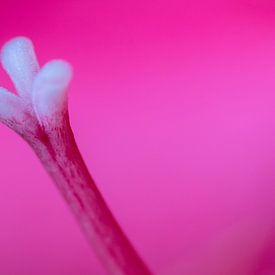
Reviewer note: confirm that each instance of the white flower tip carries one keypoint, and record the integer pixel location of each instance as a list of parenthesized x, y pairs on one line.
[(56, 72), (19, 60), (43, 90), (50, 88), (15, 44)]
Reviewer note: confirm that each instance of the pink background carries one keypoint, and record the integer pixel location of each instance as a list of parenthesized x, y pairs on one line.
[(172, 105)]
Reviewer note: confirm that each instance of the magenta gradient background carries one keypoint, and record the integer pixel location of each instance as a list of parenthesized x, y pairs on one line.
[(172, 105)]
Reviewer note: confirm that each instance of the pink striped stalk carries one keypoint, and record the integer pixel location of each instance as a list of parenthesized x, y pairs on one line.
[(39, 113)]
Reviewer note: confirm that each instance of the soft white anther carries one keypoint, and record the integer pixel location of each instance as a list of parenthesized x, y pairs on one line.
[(50, 88), (19, 60)]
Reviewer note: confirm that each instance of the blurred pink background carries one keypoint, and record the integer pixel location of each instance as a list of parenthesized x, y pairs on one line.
[(172, 105)]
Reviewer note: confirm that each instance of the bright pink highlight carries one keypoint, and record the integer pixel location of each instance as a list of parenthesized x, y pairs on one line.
[(172, 105)]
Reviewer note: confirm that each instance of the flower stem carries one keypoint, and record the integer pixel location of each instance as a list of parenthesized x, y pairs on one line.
[(58, 152)]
